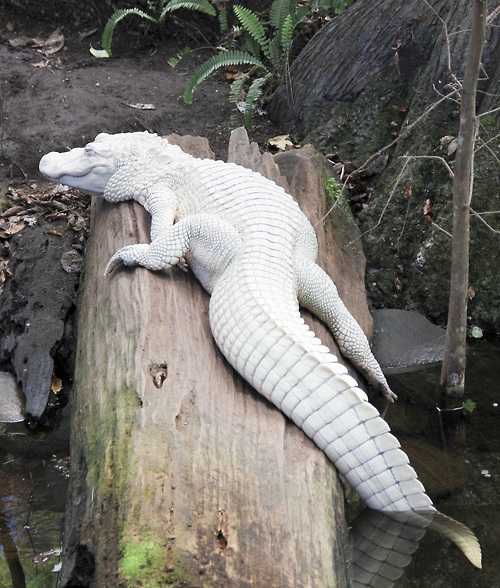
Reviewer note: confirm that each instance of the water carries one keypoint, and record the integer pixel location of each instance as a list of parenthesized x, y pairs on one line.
[(34, 477), (33, 483)]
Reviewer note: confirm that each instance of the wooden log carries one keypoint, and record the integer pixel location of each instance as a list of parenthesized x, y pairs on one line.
[(181, 474)]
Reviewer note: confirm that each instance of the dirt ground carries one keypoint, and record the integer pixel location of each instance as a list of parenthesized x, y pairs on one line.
[(59, 100)]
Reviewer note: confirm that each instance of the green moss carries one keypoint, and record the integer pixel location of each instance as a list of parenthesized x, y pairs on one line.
[(333, 190), (108, 463), (143, 564), (490, 122)]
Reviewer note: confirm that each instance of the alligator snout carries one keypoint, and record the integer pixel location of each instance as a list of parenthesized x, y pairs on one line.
[(48, 165)]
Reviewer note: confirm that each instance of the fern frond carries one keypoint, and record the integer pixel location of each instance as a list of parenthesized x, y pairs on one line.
[(276, 52), (213, 64), (286, 33), (179, 56), (300, 14), (198, 5), (236, 88), (252, 25), (115, 18), (223, 20), (278, 12), (253, 96)]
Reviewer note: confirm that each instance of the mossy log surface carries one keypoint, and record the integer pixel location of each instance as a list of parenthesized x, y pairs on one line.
[(181, 474), (359, 84)]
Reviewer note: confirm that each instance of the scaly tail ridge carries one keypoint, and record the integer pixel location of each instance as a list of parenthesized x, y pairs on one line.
[(459, 534)]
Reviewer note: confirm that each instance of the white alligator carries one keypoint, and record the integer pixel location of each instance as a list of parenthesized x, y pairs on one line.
[(254, 251)]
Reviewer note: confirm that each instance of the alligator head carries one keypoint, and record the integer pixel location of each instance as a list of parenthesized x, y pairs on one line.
[(88, 168)]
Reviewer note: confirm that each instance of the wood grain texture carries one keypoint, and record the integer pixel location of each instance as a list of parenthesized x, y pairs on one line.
[(202, 471)]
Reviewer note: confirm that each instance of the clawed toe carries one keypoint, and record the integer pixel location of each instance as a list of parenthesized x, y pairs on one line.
[(112, 264)]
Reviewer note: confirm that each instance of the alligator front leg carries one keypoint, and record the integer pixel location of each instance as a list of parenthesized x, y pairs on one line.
[(317, 292), (210, 242)]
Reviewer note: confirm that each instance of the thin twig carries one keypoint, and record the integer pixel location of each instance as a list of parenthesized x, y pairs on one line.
[(492, 15), (489, 112), (441, 229), (386, 205), (437, 157), (480, 217), (445, 31)]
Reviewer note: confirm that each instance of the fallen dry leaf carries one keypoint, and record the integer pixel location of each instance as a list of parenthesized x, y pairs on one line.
[(140, 106), (408, 190), (13, 210), (41, 64), (56, 385), (427, 210), (71, 261), (52, 44), (56, 232), (15, 228), (452, 147), (281, 142), (445, 141), (21, 41)]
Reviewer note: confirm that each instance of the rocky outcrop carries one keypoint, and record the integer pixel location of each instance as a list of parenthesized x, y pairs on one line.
[(358, 85)]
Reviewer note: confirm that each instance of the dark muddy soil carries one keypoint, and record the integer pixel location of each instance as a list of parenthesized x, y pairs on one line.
[(64, 99)]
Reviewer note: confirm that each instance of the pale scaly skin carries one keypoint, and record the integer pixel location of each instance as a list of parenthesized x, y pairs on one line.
[(254, 251)]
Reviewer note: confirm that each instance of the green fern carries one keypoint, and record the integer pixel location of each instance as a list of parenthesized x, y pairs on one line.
[(223, 20), (116, 17), (198, 5), (253, 26), (276, 53), (286, 33), (236, 89), (254, 94), (279, 10), (179, 56), (217, 62)]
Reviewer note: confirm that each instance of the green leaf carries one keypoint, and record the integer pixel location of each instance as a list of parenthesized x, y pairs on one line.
[(222, 18), (253, 95), (236, 89), (278, 12), (286, 33), (198, 5), (252, 25), (276, 54), (179, 56), (99, 53), (116, 17), (469, 406), (216, 62)]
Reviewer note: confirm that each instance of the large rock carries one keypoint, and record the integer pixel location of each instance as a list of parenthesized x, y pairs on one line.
[(405, 340)]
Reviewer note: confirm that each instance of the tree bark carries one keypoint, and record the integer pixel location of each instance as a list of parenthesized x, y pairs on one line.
[(453, 369), (181, 474)]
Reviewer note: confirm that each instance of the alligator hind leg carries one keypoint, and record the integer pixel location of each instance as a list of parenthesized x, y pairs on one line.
[(317, 292)]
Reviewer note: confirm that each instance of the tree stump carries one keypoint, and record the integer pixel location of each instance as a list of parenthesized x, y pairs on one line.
[(181, 474)]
